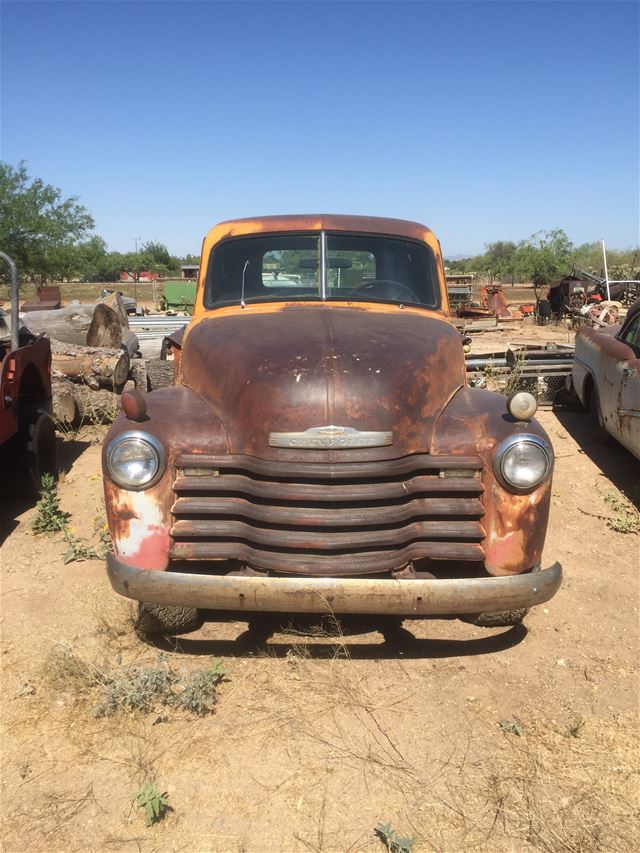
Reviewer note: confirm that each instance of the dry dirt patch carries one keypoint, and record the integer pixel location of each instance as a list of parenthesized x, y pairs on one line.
[(494, 740)]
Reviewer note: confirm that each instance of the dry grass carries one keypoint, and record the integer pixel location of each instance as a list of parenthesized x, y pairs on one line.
[(550, 793), (115, 618), (146, 686), (332, 746), (556, 788)]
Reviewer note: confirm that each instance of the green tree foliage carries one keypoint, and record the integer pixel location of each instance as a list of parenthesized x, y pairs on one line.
[(622, 265), (158, 259), (499, 259), (545, 256), (38, 228)]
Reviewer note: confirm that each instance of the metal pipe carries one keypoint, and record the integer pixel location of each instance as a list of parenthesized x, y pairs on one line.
[(15, 302)]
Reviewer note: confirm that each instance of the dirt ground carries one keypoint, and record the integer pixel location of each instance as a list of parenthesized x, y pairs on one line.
[(520, 739)]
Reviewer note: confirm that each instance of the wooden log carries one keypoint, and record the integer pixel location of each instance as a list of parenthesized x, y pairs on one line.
[(109, 322), (116, 303), (69, 324), (97, 368), (93, 407), (160, 373), (93, 325), (64, 404), (139, 374)]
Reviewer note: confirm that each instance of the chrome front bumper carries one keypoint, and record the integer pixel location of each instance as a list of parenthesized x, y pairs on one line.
[(447, 597)]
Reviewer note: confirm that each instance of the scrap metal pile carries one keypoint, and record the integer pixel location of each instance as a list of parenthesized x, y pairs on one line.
[(541, 370), (491, 311), (585, 298)]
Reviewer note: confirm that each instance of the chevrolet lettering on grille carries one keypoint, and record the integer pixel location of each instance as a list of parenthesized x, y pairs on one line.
[(331, 437)]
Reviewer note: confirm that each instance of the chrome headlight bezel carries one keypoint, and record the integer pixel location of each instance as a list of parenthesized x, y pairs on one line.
[(148, 439), (512, 441)]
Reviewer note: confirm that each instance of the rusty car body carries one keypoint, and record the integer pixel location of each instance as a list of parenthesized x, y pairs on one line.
[(606, 378), (27, 432), (321, 449)]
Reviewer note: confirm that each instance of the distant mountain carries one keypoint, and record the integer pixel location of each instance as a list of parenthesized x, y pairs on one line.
[(457, 257)]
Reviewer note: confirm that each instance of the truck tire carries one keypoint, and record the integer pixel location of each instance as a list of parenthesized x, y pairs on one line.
[(166, 619), (501, 618), (595, 413), (41, 451), (28, 455)]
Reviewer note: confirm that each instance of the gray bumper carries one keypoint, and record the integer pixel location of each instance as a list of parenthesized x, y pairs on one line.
[(338, 595)]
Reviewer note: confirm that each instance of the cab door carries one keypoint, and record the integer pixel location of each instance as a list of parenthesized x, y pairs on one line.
[(628, 409)]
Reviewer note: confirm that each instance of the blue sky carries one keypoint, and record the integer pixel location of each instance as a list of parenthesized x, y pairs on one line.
[(485, 120)]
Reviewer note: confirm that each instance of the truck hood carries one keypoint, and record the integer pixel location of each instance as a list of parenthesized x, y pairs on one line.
[(290, 368)]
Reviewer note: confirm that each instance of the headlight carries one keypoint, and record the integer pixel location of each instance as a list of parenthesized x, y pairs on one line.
[(522, 462), (135, 460)]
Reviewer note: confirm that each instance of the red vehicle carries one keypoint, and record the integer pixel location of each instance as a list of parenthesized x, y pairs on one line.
[(27, 433)]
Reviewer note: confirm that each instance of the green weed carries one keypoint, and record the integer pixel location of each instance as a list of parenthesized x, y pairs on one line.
[(155, 804), (79, 549), (392, 841), (512, 727), (199, 694), (625, 518), (49, 518), (135, 688)]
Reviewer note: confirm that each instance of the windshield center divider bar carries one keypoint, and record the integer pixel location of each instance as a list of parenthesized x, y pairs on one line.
[(323, 265)]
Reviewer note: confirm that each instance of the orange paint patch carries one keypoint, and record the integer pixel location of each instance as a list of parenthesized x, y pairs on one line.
[(506, 555), (152, 553)]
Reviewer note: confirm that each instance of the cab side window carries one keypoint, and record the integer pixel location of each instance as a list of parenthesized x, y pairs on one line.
[(631, 334)]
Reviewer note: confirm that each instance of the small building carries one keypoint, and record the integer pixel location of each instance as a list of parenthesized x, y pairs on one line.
[(189, 271)]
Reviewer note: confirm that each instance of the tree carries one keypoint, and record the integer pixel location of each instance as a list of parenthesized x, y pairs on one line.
[(38, 228), (545, 256), (135, 263), (159, 260), (499, 259)]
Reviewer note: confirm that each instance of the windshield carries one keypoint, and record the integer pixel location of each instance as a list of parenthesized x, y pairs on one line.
[(354, 267)]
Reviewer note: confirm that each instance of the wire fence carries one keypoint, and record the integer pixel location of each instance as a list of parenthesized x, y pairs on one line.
[(544, 386)]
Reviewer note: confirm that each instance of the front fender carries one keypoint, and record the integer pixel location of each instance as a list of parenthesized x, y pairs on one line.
[(140, 522), (476, 422)]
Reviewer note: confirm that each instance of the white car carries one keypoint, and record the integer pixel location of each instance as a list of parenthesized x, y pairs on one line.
[(606, 378)]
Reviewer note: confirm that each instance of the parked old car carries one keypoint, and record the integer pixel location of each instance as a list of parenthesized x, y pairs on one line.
[(321, 450), (606, 378)]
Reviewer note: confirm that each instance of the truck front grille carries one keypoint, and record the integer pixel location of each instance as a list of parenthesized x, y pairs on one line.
[(327, 519)]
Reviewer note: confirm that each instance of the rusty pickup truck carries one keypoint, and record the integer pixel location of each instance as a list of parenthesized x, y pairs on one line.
[(606, 378), (321, 450)]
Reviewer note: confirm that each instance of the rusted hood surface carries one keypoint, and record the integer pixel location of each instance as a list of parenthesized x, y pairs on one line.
[(293, 368)]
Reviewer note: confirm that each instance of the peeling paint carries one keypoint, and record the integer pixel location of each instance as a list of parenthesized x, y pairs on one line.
[(144, 541)]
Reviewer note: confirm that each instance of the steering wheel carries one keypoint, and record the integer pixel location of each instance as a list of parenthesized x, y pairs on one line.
[(386, 288)]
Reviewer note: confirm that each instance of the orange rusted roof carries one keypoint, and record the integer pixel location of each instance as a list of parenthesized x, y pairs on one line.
[(318, 222)]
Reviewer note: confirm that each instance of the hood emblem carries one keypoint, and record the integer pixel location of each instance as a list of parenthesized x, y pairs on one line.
[(330, 438)]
